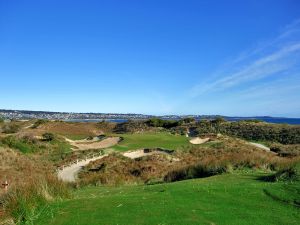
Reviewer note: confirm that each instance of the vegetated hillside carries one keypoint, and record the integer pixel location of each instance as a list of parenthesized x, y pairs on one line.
[(222, 155), (32, 184), (285, 134), (286, 150), (16, 167), (71, 130), (36, 147), (248, 129), (132, 127)]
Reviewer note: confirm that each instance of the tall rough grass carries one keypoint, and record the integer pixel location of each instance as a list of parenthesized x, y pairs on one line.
[(27, 201)]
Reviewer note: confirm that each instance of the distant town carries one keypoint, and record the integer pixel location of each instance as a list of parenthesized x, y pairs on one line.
[(72, 116), (28, 114)]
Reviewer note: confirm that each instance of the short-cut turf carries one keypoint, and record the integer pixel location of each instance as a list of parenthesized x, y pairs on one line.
[(151, 140), (224, 199)]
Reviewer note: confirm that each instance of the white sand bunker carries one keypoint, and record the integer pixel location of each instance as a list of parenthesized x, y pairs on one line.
[(198, 141), (138, 153), (146, 152), (105, 143)]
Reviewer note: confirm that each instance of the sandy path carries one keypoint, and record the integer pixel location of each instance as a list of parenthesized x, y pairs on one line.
[(85, 145), (69, 173), (261, 146)]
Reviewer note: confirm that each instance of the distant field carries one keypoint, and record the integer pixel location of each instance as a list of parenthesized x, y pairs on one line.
[(225, 199), (151, 140)]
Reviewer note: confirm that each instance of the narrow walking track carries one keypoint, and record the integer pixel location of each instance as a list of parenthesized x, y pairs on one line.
[(69, 173)]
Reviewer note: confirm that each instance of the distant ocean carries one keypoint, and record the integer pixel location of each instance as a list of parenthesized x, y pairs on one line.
[(293, 121)]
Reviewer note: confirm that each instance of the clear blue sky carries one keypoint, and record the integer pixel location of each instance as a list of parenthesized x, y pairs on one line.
[(154, 57)]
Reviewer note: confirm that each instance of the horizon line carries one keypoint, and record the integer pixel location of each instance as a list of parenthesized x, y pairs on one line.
[(181, 115)]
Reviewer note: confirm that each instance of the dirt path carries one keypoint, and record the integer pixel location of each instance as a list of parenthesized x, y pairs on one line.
[(261, 146), (29, 126), (69, 173)]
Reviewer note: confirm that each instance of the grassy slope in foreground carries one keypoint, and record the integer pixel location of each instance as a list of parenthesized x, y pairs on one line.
[(224, 199), (151, 140)]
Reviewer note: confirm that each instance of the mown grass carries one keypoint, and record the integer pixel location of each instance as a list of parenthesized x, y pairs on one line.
[(151, 140), (239, 198), (76, 137)]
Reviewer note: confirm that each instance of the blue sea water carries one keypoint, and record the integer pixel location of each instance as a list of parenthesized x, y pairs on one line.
[(292, 121)]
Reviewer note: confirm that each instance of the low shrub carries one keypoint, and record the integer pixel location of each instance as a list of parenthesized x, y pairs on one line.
[(10, 128), (16, 143), (131, 127), (290, 173), (194, 171), (30, 139), (48, 137), (156, 122), (38, 123), (286, 150)]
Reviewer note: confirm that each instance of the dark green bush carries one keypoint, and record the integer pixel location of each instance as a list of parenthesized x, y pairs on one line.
[(290, 173), (156, 122), (188, 120), (48, 137)]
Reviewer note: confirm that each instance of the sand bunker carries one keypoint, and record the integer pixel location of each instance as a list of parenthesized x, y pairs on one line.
[(198, 141), (85, 145), (146, 152), (137, 154)]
